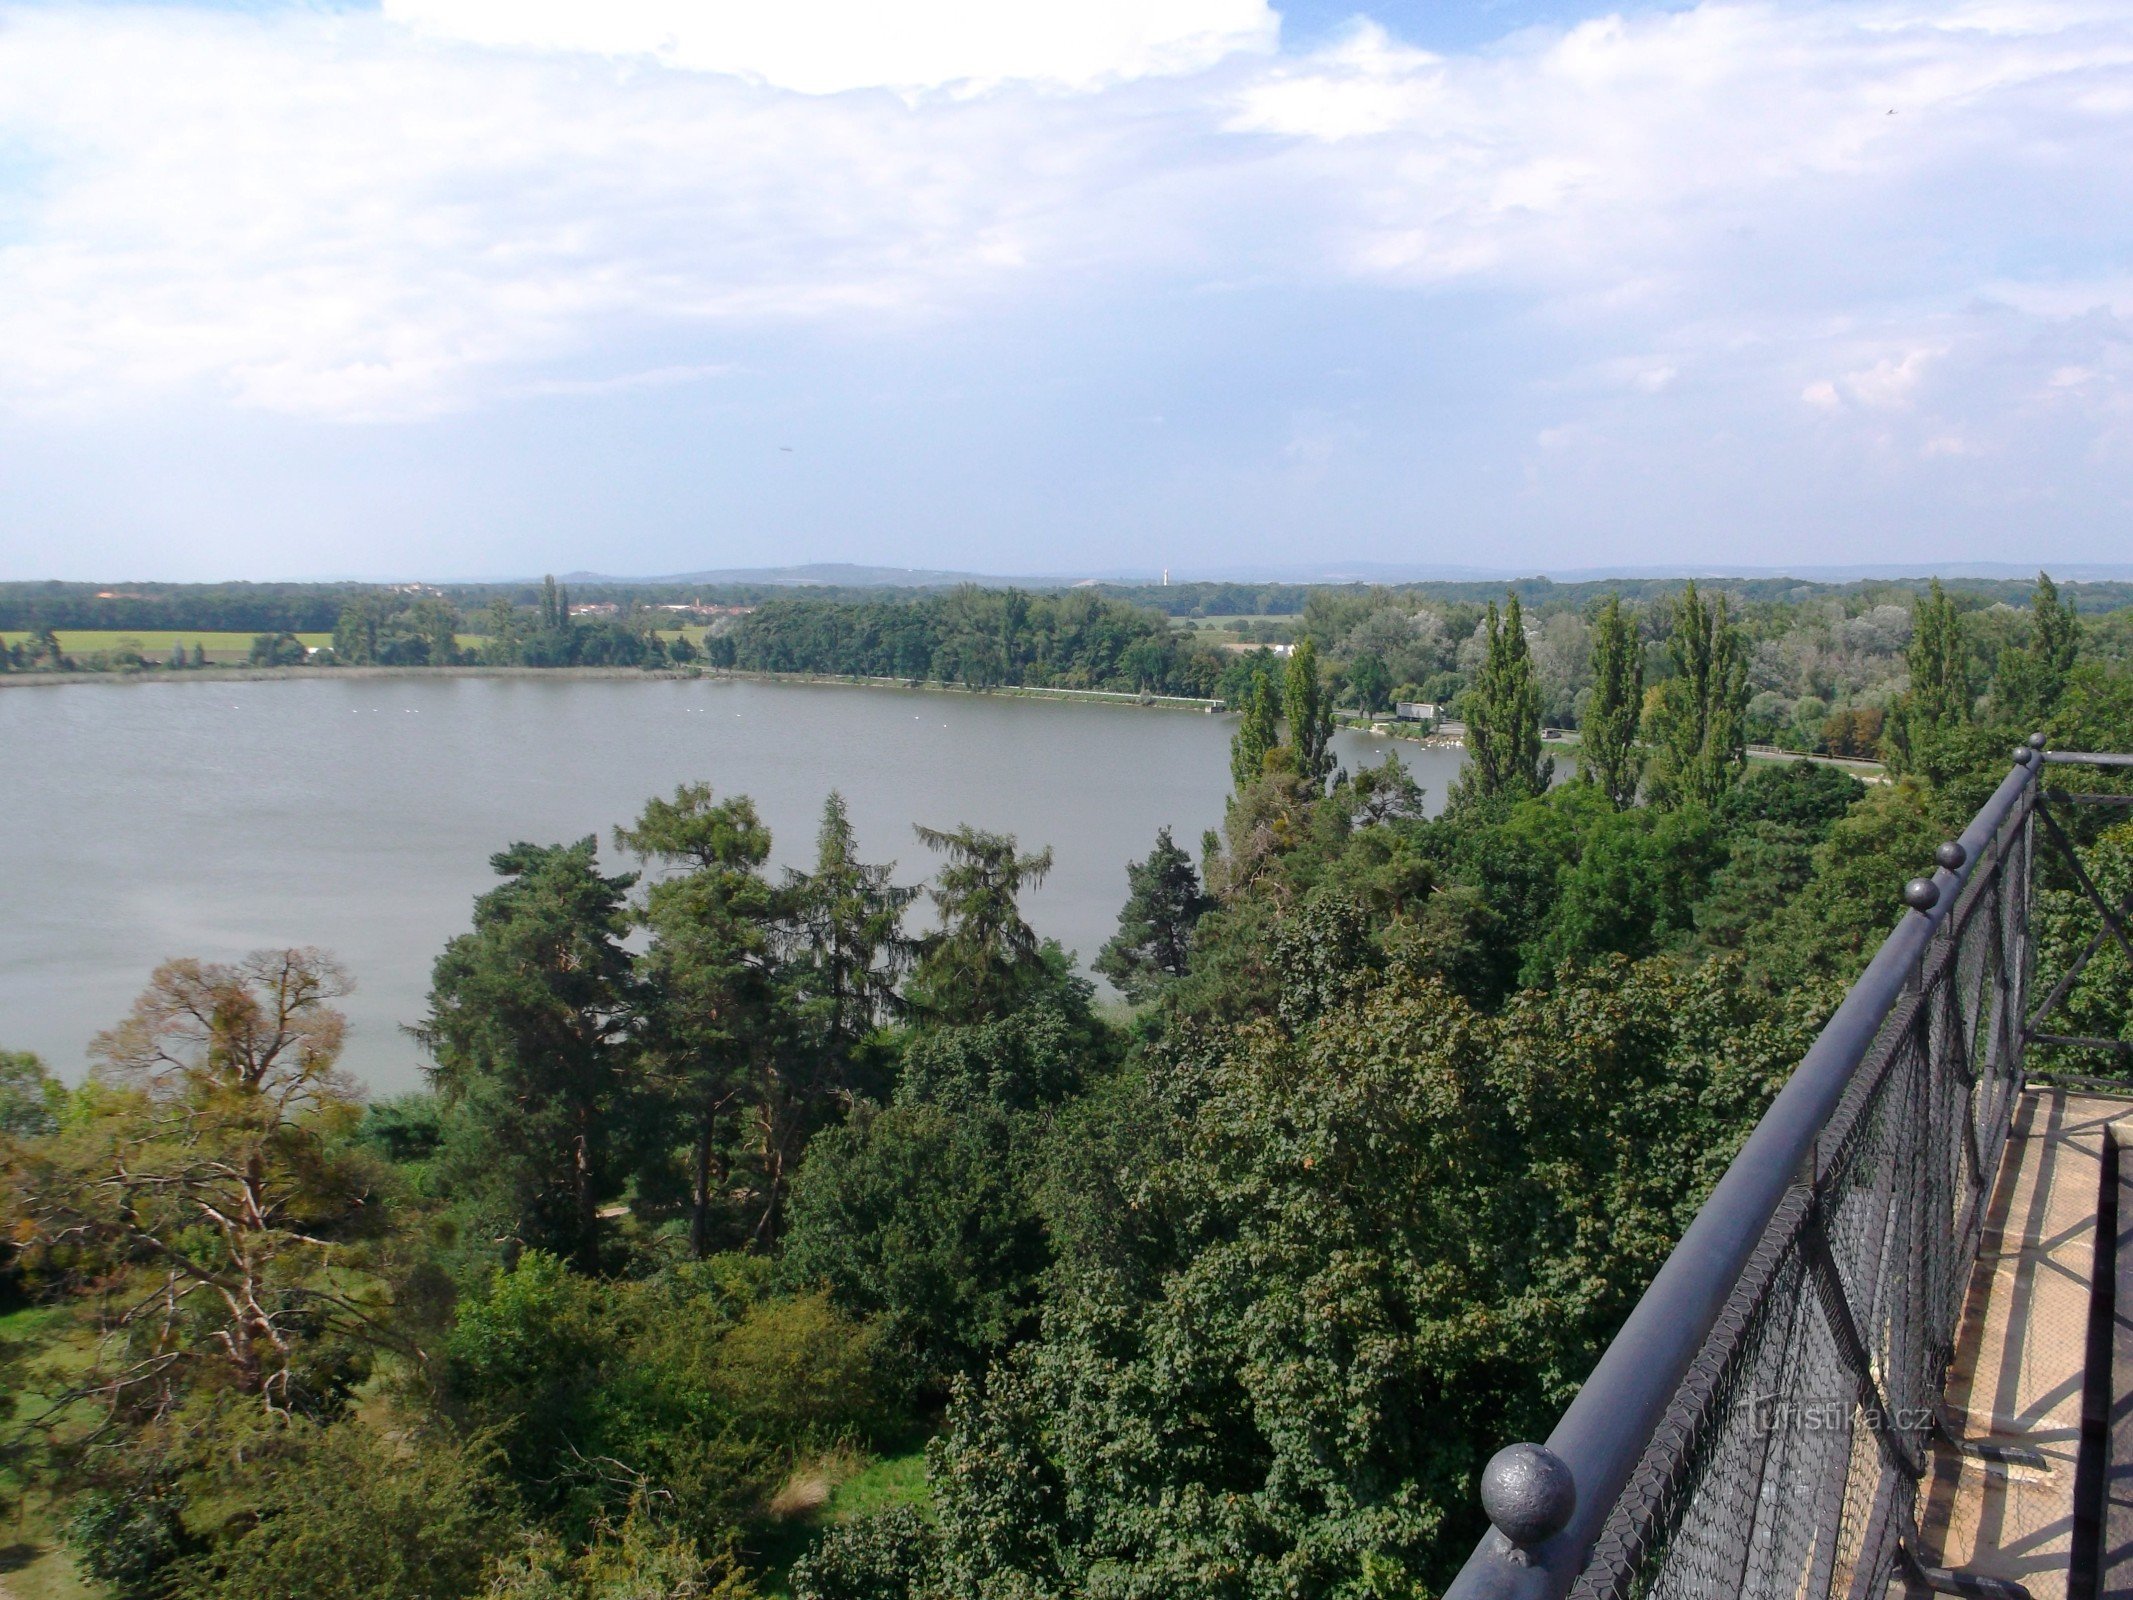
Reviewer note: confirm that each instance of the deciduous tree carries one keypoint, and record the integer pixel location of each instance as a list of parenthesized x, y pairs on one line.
[(1608, 754), (1502, 712), (1699, 723)]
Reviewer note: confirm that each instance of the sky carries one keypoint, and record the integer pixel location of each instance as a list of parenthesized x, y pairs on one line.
[(481, 288)]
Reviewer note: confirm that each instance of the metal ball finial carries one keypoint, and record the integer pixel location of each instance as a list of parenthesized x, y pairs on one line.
[(1921, 894), (2036, 741), (1951, 855), (1528, 1493), (2024, 755)]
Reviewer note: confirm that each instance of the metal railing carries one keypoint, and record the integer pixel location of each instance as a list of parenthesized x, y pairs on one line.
[(1761, 1423)]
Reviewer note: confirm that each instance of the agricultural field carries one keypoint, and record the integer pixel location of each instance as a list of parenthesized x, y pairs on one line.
[(223, 649)]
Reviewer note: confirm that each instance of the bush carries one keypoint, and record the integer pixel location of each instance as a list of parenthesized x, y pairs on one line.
[(892, 1555)]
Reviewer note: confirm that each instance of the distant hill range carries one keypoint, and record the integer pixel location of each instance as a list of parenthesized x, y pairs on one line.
[(814, 574), (849, 575)]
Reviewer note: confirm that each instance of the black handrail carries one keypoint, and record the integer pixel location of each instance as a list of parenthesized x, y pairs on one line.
[(1548, 1506)]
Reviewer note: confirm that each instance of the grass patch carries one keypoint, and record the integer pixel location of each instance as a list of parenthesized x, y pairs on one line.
[(223, 648), (55, 1343), (826, 1489)]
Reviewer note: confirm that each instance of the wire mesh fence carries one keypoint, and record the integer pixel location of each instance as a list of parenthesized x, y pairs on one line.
[(1788, 1461)]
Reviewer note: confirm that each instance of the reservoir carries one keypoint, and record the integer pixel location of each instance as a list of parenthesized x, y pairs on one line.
[(146, 820)]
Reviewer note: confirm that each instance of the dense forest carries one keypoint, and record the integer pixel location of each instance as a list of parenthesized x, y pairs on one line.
[(1826, 665), (747, 1241)]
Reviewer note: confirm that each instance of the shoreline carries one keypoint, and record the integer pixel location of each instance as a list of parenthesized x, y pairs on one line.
[(218, 675)]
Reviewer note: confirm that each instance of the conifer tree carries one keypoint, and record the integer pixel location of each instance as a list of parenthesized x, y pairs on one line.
[(1608, 752), (1154, 938)]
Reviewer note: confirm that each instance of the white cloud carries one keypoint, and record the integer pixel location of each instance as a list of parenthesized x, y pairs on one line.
[(824, 46), (361, 216)]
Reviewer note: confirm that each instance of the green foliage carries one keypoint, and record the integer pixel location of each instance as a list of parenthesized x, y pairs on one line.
[(984, 960), (1938, 702), (1033, 1057), (348, 1513), (1394, 1239), (1257, 734), (1698, 724), (982, 638), (1503, 713), (710, 987), (30, 1097), (1854, 897), (1607, 753), (127, 1542), (2100, 1004), (529, 1025), (641, 1559), (693, 1388), (207, 1186), (919, 1215), (1307, 714), (891, 1555), (1153, 944)]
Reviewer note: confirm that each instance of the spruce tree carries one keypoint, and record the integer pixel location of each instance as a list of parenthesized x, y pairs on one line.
[(1608, 752), (1154, 938), (1502, 713)]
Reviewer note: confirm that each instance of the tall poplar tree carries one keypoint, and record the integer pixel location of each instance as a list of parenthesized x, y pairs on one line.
[(1307, 709), (1502, 712), (1701, 718), (1608, 754), (1939, 660), (2027, 682), (1257, 734)]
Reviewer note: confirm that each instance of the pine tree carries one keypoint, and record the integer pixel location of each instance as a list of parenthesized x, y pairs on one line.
[(711, 976), (1702, 712), (1154, 938), (1502, 712), (1608, 751), (531, 1025)]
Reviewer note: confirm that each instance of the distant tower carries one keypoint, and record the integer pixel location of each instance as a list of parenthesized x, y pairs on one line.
[(1166, 577)]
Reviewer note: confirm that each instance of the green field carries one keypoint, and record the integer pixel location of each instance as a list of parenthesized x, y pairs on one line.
[(223, 649)]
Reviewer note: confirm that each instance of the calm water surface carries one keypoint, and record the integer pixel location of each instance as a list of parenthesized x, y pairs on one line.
[(149, 820)]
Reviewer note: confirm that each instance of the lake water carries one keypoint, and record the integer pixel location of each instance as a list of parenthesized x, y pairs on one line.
[(150, 820)]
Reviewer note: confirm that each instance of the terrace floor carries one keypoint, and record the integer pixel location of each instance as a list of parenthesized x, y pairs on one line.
[(2021, 1361)]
